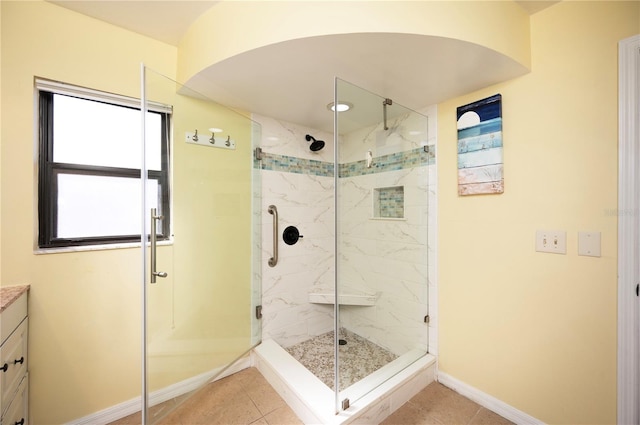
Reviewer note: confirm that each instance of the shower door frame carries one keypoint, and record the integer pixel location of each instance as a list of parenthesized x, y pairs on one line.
[(336, 306)]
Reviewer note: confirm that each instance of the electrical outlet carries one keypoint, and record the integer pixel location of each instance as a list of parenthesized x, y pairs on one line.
[(553, 241)]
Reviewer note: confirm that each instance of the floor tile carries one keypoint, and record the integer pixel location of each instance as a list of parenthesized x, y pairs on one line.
[(283, 416), (246, 398), (487, 417), (265, 398), (410, 414), (258, 389), (135, 419)]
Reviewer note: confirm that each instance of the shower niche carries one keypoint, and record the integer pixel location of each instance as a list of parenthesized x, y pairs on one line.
[(388, 202)]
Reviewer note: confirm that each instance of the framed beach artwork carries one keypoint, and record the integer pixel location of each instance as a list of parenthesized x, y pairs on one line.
[(480, 160)]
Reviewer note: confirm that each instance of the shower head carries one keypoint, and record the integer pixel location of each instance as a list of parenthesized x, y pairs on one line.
[(316, 145)]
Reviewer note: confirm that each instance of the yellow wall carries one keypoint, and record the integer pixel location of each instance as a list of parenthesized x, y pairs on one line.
[(84, 307), (535, 330)]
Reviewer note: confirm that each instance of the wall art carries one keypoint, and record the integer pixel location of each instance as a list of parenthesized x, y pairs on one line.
[(480, 159)]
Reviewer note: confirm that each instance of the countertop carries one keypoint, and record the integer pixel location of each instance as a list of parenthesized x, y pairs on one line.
[(8, 294)]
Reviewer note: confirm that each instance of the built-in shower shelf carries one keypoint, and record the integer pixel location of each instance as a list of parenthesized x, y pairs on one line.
[(346, 299)]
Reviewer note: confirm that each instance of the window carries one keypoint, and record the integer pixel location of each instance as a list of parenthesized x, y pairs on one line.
[(89, 189)]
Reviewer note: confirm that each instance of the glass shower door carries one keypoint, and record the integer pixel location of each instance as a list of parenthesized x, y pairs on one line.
[(200, 314), (381, 240)]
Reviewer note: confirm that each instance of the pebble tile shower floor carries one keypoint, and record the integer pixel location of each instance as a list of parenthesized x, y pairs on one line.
[(357, 358)]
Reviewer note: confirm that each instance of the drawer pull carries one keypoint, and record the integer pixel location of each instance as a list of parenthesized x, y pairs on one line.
[(5, 367), (19, 361), (20, 422)]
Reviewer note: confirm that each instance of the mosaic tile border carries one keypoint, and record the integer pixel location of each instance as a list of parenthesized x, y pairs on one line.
[(418, 157), (291, 164)]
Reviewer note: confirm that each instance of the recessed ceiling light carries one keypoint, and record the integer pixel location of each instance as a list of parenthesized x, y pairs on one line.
[(342, 106)]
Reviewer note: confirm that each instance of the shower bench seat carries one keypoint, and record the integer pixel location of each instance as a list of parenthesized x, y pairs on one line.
[(345, 299)]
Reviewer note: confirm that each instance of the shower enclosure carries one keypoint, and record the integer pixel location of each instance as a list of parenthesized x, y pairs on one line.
[(348, 265), (201, 274), (362, 269)]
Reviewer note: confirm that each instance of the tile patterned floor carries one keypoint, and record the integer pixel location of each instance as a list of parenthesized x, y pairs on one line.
[(438, 405), (246, 398), (240, 399)]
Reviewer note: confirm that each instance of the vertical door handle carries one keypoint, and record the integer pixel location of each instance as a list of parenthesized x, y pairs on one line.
[(154, 220)]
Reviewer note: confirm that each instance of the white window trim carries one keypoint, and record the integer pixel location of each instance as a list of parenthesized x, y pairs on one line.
[(90, 94)]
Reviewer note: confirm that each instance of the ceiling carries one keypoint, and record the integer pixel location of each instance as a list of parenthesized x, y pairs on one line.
[(170, 21), (293, 80), (172, 18)]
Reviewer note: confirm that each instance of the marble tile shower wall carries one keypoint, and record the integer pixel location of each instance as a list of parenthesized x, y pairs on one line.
[(300, 184), (392, 258), (382, 256)]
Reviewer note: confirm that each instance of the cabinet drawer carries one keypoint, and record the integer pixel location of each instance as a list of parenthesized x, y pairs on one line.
[(12, 316), (13, 362), (18, 410)]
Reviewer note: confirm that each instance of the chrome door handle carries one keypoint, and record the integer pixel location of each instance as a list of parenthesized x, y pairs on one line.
[(274, 260), (154, 220)]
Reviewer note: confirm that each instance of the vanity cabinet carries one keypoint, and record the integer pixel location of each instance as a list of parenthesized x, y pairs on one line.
[(14, 381)]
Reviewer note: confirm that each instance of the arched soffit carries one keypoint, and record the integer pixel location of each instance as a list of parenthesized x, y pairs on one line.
[(257, 56), (230, 28)]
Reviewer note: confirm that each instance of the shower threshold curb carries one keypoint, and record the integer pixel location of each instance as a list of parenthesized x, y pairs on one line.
[(314, 402)]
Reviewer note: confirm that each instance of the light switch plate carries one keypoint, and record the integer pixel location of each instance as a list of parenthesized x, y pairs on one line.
[(553, 241), (589, 244)]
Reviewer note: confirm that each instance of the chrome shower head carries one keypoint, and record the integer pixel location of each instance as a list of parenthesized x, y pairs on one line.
[(316, 145)]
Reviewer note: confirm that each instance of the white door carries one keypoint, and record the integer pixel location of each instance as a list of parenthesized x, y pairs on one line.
[(629, 233)]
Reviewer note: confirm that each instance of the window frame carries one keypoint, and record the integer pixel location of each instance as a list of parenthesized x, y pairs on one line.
[(48, 169)]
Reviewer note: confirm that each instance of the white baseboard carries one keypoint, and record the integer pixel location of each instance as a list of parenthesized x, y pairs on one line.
[(487, 401), (132, 406)]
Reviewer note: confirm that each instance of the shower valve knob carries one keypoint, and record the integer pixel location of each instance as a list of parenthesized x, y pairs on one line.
[(291, 235)]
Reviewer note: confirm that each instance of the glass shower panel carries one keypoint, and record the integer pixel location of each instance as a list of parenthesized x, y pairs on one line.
[(201, 317), (381, 240)]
